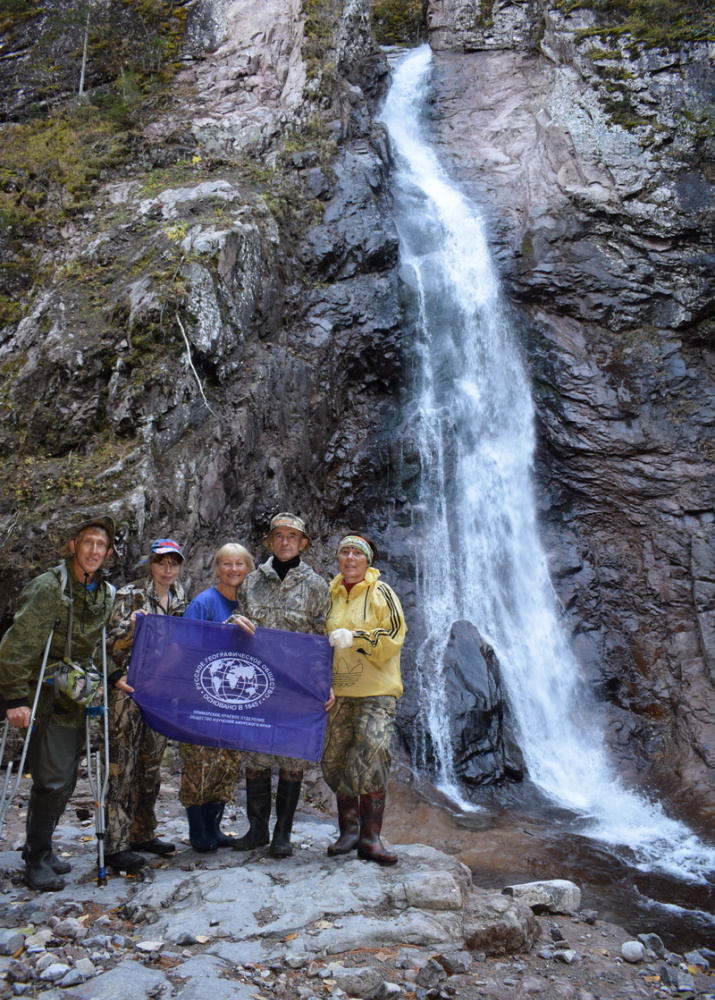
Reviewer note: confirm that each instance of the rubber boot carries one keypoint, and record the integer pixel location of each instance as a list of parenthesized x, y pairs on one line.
[(258, 813), (349, 824), (214, 815), (59, 866), (37, 854), (370, 847), (200, 836), (286, 801)]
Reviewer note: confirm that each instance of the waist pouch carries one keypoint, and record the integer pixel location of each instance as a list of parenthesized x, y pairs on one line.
[(69, 678)]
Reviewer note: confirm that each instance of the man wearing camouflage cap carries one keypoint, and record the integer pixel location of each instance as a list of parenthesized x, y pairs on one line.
[(76, 597), (283, 593)]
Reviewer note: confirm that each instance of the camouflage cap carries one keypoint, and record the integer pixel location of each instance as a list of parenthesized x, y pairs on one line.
[(104, 521), (285, 520)]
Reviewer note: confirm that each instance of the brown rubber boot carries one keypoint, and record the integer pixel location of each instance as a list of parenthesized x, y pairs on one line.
[(349, 824), (370, 847)]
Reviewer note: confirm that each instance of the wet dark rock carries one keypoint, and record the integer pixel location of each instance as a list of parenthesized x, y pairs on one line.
[(455, 963), (653, 942), (483, 742), (697, 959), (430, 974), (677, 977)]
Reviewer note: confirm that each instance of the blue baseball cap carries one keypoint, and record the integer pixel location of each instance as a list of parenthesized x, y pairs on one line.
[(166, 546)]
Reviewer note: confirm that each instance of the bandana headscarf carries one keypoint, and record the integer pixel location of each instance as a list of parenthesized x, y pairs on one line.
[(357, 543)]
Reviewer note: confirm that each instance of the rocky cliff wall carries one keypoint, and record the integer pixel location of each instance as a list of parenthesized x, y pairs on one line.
[(216, 336), (209, 326), (603, 230)]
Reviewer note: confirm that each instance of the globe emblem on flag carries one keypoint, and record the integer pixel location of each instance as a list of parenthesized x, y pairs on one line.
[(234, 681)]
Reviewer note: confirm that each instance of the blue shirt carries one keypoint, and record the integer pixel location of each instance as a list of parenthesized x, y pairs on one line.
[(211, 606)]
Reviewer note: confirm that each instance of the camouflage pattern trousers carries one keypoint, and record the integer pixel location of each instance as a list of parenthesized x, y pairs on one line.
[(209, 774), (356, 755), (135, 753), (289, 767)]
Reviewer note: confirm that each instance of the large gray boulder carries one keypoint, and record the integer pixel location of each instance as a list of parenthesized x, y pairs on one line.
[(554, 895)]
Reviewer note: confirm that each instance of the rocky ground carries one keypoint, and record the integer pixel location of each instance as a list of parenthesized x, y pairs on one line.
[(304, 927)]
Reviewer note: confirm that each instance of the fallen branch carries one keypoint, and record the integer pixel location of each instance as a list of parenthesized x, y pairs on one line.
[(193, 369)]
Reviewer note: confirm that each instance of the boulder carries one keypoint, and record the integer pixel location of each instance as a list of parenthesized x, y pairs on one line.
[(553, 896), (653, 942), (364, 982), (633, 951), (495, 924), (10, 941)]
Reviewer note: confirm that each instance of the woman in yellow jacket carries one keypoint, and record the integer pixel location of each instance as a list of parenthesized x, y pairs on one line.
[(366, 628)]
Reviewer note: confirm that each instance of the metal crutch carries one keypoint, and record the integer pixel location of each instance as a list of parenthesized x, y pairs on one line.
[(99, 778), (8, 794)]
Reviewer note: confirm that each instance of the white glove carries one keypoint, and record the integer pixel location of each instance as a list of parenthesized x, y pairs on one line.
[(341, 638)]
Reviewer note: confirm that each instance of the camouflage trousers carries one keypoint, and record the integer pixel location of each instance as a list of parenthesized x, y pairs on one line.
[(135, 753), (209, 774), (289, 766), (356, 755)]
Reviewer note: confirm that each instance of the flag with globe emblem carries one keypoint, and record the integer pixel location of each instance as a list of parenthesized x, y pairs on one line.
[(215, 685)]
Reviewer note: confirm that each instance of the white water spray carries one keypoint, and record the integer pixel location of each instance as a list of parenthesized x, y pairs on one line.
[(479, 556)]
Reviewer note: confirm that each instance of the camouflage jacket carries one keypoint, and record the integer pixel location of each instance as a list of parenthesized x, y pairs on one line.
[(39, 605), (138, 596), (299, 603)]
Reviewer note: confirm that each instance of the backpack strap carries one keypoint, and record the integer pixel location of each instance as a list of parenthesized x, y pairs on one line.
[(63, 576)]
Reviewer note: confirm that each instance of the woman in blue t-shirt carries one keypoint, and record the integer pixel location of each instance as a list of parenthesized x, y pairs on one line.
[(209, 774)]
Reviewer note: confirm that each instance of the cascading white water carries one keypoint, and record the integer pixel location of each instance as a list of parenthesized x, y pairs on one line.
[(477, 553)]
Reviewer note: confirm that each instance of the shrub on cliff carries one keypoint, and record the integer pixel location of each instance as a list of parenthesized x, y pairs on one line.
[(398, 22), (655, 22)]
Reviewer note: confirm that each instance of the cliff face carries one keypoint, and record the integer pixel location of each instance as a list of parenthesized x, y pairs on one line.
[(215, 336), (202, 315), (602, 224)]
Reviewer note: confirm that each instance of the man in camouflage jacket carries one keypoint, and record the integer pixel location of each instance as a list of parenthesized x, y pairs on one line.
[(74, 591), (283, 593)]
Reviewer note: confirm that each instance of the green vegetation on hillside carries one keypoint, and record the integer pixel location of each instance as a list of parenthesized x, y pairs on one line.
[(398, 22), (664, 23), (52, 157)]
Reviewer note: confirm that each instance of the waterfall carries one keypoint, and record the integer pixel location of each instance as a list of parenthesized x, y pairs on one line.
[(476, 544)]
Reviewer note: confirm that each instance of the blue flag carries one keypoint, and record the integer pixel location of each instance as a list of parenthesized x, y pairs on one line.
[(216, 685)]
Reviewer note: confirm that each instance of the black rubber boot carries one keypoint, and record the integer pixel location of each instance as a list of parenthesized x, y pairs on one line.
[(37, 854), (258, 813), (349, 823), (286, 801), (214, 815), (154, 846), (124, 861), (60, 866), (200, 836)]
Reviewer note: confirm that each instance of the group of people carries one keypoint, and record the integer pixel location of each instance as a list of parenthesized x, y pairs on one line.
[(75, 605)]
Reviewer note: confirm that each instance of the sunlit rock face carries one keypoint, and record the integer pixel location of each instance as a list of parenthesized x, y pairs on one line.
[(603, 235), (469, 25)]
